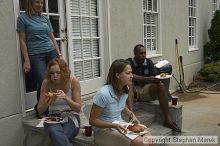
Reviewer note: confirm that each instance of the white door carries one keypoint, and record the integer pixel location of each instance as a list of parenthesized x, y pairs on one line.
[(55, 10), (85, 43)]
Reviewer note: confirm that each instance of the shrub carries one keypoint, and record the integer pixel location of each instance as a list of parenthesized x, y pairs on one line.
[(212, 48), (211, 71)]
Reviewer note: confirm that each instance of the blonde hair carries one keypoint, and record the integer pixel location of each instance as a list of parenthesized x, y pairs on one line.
[(29, 6)]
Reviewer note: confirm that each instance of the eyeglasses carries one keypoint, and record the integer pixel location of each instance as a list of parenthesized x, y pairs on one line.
[(56, 72)]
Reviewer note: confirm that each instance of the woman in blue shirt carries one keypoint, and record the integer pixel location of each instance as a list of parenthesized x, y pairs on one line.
[(108, 104), (37, 42)]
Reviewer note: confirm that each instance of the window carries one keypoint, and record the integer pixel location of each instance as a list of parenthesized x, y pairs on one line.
[(192, 24), (214, 5), (150, 9), (85, 39), (84, 42)]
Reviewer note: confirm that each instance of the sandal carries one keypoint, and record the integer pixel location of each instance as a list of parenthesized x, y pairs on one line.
[(172, 126)]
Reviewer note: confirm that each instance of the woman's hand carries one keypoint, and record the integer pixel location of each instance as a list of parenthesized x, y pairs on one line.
[(27, 66), (60, 94), (120, 128), (50, 98)]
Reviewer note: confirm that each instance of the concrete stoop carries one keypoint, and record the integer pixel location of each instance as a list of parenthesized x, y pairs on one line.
[(149, 114)]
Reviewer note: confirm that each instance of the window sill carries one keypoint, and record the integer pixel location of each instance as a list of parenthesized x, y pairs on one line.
[(153, 55), (193, 49)]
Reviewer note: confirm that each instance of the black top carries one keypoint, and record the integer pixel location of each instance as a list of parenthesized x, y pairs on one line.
[(147, 69)]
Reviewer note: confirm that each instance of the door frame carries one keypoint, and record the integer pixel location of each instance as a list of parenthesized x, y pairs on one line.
[(20, 68)]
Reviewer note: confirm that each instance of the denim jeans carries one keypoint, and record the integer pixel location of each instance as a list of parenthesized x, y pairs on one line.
[(38, 67), (62, 134)]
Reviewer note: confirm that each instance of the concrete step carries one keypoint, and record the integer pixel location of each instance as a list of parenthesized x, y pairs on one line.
[(145, 118), (153, 108), (148, 113)]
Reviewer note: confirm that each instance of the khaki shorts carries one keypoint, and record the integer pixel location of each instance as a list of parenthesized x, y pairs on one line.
[(143, 93), (109, 137)]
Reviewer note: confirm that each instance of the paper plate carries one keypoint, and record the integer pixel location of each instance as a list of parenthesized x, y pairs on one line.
[(166, 77), (58, 120), (139, 133)]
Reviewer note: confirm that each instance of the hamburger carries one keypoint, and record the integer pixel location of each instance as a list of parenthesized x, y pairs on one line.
[(136, 128), (51, 95), (163, 75)]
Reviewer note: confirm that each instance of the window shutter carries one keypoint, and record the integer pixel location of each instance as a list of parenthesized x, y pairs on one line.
[(150, 25), (84, 40)]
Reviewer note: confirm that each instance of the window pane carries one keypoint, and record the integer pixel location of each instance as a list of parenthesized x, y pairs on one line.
[(76, 26), (84, 7), (93, 9), (53, 6), (55, 24), (96, 68), (144, 4), (77, 54), (95, 48), (87, 53), (22, 5), (145, 33), (190, 31), (148, 31), (154, 44), (30, 82), (88, 69), (148, 45), (153, 31), (75, 7), (154, 19), (78, 72), (44, 7), (85, 27), (94, 28), (155, 6), (149, 4)]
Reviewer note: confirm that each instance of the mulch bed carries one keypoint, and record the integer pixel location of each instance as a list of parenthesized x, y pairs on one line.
[(197, 85), (204, 85)]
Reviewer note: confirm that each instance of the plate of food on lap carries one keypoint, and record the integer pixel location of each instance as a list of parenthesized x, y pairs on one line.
[(163, 76), (137, 129), (53, 119)]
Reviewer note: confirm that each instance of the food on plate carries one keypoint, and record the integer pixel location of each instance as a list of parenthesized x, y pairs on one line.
[(54, 119), (51, 95), (136, 128), (163, 75)]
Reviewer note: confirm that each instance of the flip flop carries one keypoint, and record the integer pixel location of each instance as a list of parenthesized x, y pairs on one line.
[(172, 126)]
